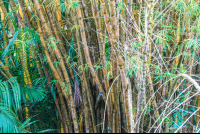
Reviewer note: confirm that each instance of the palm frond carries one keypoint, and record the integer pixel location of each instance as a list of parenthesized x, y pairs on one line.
[(35, 93), (10, 44), (10, 94), (9, 121)]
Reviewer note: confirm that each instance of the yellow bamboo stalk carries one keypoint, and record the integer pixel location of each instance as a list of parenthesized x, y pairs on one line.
[(27, 79), (13, 6), (58, 13), (178, 38), (118, 58), (23, 58), (177, 58), (88, 60), (5, 37), (198, 112), (22, 54), (11, 27), (2, 14), (5, 69), (68, 96), (55, 73), (21, 14), (86, 52), (85, 88)]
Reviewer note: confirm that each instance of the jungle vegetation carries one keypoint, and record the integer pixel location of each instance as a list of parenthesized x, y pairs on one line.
[(105, 66)]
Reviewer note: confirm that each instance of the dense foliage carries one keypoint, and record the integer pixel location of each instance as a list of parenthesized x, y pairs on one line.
[(99, 66)]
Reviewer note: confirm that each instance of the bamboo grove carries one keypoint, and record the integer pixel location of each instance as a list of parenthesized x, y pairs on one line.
[(88, 66)]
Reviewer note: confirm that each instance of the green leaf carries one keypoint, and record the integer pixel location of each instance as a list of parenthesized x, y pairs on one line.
[(168, 37), (10, 44), (192, 109)]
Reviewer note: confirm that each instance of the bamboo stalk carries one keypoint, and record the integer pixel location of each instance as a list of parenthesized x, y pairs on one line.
[(72, 107), (5, 37), (11, 27), (64, 119), (86, 52), (119, 59), (6, 70), (84, 88)]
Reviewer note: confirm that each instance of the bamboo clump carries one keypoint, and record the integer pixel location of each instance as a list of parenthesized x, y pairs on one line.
[(117, 63)]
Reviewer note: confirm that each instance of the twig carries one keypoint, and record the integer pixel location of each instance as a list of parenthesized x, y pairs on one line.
[(107, 101)]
